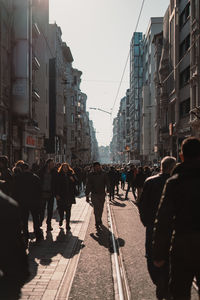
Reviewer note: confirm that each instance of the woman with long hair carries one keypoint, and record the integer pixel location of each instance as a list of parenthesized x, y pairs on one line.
[(65, 192)]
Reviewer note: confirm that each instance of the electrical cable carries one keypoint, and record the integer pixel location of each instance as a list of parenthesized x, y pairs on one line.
[(118, 90)]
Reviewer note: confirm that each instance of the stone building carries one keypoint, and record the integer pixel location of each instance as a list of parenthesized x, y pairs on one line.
[(136, 83), (5, 77), (148, 92), (42, 109)]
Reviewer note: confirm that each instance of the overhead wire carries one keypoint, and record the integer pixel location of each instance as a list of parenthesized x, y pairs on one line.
[(118, 90)]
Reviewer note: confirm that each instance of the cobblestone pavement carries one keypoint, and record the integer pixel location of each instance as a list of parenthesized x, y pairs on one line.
[(50, 258)]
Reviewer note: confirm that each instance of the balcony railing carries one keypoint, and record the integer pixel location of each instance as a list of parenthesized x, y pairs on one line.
[(35, 95), (35, 30), (35, 63)]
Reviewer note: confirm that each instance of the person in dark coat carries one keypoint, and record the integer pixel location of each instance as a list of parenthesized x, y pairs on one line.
[(65, 193), (5, 175), (179, 217), (27, 192), (139, 182), (130, 178), (113, 178), (14, 270), (97, 183), (48, 176), (148, 205)]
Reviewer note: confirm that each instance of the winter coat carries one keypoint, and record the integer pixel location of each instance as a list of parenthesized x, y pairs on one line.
[(27, 189), (66, 188), (97, 182), (54, 175), (150, 198), (130, 178), (140, 179), (113, 177), (13, 258), (179, 213), (6, 180)]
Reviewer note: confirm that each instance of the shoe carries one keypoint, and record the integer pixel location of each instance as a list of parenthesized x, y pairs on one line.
[(60, 223), (49, 228)]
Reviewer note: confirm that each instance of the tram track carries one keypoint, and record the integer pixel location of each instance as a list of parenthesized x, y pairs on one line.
[(121, 288)]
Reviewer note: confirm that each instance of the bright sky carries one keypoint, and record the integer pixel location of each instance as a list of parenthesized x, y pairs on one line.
[(98, 33)]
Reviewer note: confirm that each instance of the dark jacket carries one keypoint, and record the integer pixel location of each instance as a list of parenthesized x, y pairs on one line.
[(97, 183), (130, 178), (150, 198), (6, 180), (66, 188), (113, 177), (54, 175), (13, 258), (140, 179), (27, 189), (179, 212)]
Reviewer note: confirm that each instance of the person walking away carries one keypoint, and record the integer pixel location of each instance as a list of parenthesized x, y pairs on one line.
[(96, 185), (123, 179), (177, 226), (139, 182), (112, 177), (65, 192), (5, 175), (27, 192), (130, 178), (48, 176), (148, 205), (14, 269)]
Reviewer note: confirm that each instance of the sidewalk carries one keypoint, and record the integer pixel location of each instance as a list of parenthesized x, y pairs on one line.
[(49, 260)]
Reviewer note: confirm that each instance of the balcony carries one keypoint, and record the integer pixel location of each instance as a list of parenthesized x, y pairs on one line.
[(35, 95), (35, 63), (35, 30)]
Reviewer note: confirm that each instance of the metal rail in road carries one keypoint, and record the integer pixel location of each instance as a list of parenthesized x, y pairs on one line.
[(120, 282)]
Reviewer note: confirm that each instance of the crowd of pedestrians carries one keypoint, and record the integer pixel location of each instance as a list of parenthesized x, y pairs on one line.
[(167, 199)]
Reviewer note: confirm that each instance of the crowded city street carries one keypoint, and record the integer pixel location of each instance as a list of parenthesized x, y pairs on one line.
[(80, 265)]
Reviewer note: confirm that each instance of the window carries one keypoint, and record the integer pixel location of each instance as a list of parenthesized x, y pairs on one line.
[(184, 108), (184, 46), (72, 118), (72, 100), (72, 135), (184, 77), (184, 16)]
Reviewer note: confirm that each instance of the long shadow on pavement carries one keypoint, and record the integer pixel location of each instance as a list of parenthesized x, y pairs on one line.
[(49, 250), (103, 237)]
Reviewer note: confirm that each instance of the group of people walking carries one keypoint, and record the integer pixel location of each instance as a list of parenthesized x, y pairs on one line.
[(167, 199)]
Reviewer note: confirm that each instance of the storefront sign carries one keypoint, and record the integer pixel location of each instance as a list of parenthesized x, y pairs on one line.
[(30, 141)]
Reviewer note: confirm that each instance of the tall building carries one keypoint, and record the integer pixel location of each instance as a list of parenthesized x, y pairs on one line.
[(29, 79), (136, 82), (6, 8), (148, 94)]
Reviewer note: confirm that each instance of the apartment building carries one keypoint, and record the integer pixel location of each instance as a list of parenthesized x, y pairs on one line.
[(195, 68), (174, 74), (42, 109), (5, 76), (94, 144), (136, 83), (148, 92), (120, 146), (30, 58)]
